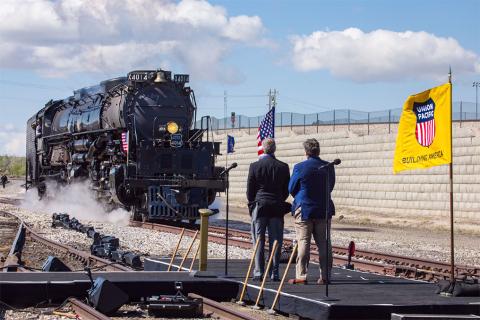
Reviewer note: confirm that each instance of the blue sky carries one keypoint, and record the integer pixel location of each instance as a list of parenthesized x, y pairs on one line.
[(319, 55)]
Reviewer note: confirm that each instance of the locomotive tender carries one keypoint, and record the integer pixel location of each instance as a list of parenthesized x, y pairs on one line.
[(133, 139)]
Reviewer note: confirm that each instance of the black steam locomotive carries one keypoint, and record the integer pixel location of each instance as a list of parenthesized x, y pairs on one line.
[(134, 140)]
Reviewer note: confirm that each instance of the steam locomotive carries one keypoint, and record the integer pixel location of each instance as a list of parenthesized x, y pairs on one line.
[(133, 139)]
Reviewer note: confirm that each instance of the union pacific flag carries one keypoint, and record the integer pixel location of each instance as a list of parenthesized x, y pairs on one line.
[(424, 135), (425, 129)]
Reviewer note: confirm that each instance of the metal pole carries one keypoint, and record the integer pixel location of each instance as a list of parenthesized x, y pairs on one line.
[(348, 119), (291, 121), (269, 99), (452, 243), (317, 122), (368, 123), (226, 227), (225, 109), (281, 121), (327, 231), (304, 122), (248, 125), (461, 113), (476, 84), (389, 121), (333, 119)]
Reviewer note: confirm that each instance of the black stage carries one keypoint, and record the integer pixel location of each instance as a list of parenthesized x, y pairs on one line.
[(26, 289), (352, 294)]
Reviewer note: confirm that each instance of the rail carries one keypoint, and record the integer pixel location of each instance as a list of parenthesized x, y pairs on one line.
[(369, 261), (82, 256), (85, 311), (219, 311)]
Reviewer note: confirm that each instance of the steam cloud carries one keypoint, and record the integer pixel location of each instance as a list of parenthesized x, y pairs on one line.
[(75, 199)]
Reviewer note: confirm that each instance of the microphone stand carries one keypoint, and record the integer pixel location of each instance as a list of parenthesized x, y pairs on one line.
[(226, 222), (327, 229)]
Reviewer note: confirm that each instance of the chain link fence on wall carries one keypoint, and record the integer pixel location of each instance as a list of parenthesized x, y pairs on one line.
[(462, 111)]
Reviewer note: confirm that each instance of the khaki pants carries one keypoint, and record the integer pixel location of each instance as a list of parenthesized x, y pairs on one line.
[(304, 231)]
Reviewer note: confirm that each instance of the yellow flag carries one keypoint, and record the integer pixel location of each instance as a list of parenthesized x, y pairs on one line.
[(424, 132)]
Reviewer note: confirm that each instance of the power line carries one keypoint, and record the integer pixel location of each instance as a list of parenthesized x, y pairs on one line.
[(233, 96), (33, 85), (305, 103)]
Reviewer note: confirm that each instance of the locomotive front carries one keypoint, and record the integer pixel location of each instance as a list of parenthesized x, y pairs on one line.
[(133, 139), (170, 170)]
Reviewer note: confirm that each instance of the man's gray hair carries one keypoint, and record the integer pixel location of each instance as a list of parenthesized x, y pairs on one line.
[(269, 146), (312, 147)]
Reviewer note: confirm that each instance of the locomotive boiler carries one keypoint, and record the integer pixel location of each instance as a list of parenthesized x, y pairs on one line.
[(133, 139)]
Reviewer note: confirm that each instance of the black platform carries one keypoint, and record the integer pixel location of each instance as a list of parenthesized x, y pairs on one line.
[(352, 294), (28, 289)]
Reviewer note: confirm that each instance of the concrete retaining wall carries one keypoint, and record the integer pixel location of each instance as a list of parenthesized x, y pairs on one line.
[(365, 179)]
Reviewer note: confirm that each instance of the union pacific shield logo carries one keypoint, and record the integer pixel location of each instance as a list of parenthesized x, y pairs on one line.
[(425, 129)]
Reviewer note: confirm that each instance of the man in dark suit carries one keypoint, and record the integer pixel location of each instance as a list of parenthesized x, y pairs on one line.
[(312, 201), (267, 190)]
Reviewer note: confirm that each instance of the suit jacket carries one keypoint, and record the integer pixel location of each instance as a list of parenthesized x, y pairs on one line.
[(308, 187), (267, 186)]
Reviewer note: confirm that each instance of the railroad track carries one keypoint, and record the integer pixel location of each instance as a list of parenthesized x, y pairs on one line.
[(84, 257), (85, 311), (369, 261), (219, 311)]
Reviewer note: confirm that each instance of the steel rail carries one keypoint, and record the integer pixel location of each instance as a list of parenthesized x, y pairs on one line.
[(407, 264), (219, 311), (83, 256), (370, 261), (85, 311)]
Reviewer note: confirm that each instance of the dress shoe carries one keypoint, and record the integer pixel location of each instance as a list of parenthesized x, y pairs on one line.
[(275, 278), (297, 281), (257, 279)]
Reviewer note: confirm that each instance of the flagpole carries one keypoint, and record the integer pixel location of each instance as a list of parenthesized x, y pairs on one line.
[(452, 252)]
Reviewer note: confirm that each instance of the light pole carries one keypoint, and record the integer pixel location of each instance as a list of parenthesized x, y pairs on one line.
[(476, 84)]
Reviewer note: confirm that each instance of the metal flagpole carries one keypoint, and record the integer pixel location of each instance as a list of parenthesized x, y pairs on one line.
[(452, 252)]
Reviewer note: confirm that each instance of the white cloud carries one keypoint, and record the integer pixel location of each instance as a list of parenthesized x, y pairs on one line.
[(12, 140), (57, 38), (382, 55)]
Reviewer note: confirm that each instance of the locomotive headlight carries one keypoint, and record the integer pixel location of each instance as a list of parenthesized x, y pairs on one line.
[(172, 127)]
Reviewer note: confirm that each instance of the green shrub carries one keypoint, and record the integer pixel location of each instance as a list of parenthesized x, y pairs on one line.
[(12, 166)]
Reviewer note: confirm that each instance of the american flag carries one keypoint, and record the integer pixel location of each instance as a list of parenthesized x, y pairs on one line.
[(266, 129), (125, 141)]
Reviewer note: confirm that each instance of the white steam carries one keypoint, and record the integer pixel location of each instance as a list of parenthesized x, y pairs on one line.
[(75, 199), (220, 205)]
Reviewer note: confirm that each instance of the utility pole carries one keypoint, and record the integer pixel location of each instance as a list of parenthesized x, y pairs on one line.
[(476, 84), (225, 109), (272, 98)]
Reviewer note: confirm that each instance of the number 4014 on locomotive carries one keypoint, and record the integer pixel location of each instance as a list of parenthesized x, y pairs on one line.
[(133, 139)]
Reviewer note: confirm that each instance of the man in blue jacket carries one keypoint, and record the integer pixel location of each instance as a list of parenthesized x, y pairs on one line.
[(307, 185)]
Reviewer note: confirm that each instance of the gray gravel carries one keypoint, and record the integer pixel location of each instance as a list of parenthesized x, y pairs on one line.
[(141, 241), (407, 241)]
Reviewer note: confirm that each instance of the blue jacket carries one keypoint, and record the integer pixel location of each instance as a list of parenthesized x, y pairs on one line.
[(307, 185)]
